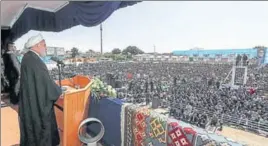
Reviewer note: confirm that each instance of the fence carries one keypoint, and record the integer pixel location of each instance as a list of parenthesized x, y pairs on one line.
[(258, 127)]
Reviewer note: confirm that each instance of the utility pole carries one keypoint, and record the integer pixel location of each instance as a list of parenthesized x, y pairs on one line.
[(101, 38), (154, 52)]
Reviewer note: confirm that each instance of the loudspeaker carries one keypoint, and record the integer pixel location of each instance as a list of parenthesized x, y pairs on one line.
[(118, 84), (109, 77)]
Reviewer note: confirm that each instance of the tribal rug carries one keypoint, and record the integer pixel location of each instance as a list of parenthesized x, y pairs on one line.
[(177, 135), (144, 127), (156, 132), (141, 126), (127, 117)]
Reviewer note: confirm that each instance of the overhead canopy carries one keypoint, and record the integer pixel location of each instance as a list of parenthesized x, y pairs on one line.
[(22, 16)]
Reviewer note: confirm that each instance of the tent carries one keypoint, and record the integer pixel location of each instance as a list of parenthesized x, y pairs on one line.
[(19, 17)]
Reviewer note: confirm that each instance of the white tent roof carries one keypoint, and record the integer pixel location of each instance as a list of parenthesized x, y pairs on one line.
[(11, 10)]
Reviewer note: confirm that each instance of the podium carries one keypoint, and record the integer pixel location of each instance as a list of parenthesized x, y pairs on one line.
[(72, 109)]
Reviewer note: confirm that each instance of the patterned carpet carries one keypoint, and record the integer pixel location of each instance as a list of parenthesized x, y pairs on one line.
[(141, 126), (144, 127)]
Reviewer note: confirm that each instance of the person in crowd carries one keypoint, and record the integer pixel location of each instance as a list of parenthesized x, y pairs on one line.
[(38, 93), (193, 100), (218, 84), (238, 59), (12, 72), (4, 83), (245, 60)]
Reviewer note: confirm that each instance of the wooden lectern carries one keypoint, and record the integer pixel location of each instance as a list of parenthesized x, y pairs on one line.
[(72, 109)]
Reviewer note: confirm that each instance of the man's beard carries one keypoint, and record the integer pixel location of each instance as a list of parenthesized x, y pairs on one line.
[(43, 54)]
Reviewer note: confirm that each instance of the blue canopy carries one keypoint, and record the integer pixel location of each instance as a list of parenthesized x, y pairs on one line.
[(86, 13)]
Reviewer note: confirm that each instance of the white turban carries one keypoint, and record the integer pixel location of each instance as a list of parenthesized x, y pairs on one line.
[(24, 50), (33, 41)]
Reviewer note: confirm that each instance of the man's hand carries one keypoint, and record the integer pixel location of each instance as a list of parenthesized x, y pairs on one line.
[(61, 96)]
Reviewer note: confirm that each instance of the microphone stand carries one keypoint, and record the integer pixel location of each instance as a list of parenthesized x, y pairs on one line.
[(60, 66)]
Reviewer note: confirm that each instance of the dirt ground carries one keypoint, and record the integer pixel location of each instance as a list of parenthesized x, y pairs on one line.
[(244, 137)]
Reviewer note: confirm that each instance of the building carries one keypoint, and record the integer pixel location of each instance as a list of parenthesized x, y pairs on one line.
[(56, 52), (156, 57), (53, 52), (226, 53), (50, 52)]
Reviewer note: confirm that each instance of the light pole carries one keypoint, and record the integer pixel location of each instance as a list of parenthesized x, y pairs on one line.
[(101, 38), (154, 53)]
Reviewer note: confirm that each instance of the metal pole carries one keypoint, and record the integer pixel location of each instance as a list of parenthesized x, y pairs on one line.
[(233, 76), (245, 75), (154, 53), (101, 37), (59, 68)]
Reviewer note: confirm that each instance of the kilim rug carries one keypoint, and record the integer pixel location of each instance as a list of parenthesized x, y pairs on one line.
[(177, 135), (144, 127), (141, 126), (155, 130), (127, 133), (123, 124)]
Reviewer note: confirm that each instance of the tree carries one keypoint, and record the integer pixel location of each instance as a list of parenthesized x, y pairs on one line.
[(133, 50), (90, 53), (116, 51), (108, 55), (75, 52), (119, 57)]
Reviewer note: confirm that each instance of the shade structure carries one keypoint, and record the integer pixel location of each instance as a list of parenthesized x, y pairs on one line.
[(22, 16)]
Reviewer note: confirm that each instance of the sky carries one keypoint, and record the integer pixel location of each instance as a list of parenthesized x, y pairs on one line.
[(169, 26)]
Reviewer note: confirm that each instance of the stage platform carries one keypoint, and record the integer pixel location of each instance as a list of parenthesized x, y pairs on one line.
[(10, 133)]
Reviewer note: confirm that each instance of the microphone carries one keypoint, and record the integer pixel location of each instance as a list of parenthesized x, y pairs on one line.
[(57, 60), (72, 75)]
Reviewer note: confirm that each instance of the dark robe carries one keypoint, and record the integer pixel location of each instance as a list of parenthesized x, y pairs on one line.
[(4, 82), (146, 86), (38, 92), (12, 72)]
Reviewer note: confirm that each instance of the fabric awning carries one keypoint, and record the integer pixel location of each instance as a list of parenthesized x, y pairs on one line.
[(22, 16)]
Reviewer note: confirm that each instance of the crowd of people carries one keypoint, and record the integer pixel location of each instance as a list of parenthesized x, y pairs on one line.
[(193, 91)]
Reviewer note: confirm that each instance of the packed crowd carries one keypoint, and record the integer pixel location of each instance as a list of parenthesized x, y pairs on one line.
[(193, 91)]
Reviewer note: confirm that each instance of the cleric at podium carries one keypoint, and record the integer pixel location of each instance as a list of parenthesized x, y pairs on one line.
[(38, 93)]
